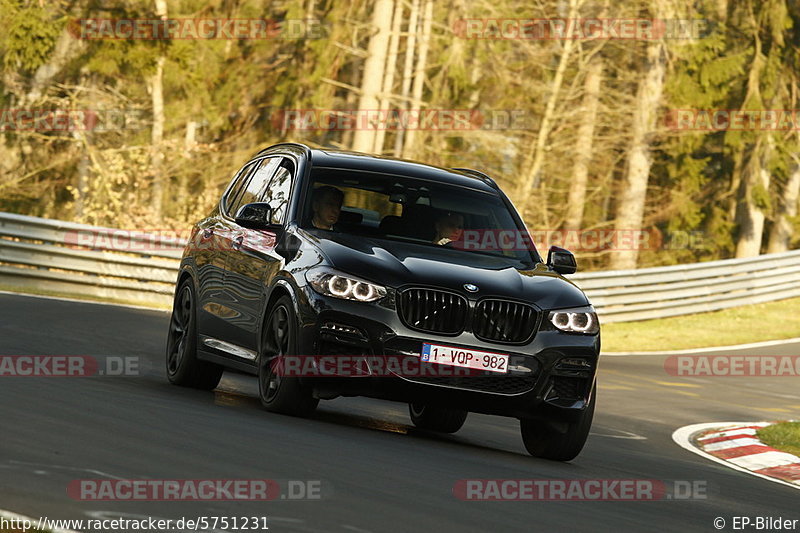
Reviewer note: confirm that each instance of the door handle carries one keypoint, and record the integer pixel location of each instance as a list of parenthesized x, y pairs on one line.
[(237, 242), (208, 233)]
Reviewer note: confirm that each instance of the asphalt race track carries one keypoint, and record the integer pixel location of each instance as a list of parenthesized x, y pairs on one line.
[(376, 472)]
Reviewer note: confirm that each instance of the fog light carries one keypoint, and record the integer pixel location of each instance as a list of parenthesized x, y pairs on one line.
[(575, 362), (340, 328)]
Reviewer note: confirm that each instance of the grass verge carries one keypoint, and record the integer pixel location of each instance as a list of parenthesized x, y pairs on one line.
[(784, 436), (739, 325)]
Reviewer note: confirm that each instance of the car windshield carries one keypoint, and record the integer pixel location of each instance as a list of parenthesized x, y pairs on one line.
[(414, 210)]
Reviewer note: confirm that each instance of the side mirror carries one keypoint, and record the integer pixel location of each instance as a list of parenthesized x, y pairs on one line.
[(257, 215), (561, 260)]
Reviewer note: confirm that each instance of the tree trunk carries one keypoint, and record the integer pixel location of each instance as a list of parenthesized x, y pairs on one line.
[(82, 181), (157, 132), (409, 146), (408, 72), (753, 194), (781, 234), (67, 47), (630, 209), (584, 144), (749, 200), (780, 237), (372, 78), (388, 77)]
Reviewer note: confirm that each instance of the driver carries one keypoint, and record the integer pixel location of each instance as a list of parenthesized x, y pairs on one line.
[(449, 227), (326, 203)]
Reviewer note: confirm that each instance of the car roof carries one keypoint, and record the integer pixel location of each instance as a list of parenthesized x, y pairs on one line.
[(341, 159)]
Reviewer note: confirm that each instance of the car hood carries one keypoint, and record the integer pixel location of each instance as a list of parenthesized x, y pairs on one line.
[(398, 264)]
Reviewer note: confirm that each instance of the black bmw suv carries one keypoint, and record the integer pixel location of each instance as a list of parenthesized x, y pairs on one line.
[(421, 278)]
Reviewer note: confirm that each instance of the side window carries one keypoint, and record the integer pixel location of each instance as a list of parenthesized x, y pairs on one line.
[(255, 184), (278, 191), (235, 190)]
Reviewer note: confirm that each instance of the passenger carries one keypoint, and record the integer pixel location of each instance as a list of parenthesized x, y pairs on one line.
[(449, 227), (326, 203)]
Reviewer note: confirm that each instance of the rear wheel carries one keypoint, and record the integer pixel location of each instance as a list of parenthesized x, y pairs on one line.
[(281, 394), (559, 441), (441, 419), (183, 366)]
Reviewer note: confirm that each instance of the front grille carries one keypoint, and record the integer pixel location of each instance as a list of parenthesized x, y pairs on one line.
[(495, 384), (502, 321), (433, 311)]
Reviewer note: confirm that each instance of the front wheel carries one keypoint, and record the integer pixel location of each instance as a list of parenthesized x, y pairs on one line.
[(441, 419), (559, 442), (183, 366), (278, 393)]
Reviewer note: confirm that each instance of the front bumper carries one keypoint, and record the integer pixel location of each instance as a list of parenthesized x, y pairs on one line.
[(539, 382)]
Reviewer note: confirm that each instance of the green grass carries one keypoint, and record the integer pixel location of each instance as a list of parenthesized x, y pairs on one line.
[(739, 325), (784, 436)]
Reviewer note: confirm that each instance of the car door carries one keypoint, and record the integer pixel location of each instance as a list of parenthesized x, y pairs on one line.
[(252, 257), (213, 240)]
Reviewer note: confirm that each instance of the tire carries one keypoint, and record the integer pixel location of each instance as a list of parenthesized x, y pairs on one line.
[(439, 419), (544, 440), (281, 394), (183, 366)]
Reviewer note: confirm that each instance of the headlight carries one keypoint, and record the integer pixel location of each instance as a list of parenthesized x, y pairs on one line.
[(578, 320), (330, 282)]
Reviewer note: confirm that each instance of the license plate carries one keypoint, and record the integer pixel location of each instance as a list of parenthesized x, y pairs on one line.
[(467, 358)]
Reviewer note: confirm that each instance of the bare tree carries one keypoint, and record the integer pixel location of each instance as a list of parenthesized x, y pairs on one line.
[(584, 143), (374, 68), (388, 76), (408, 70), (630, 208), (535, 157), (409, 146), (157, 131)]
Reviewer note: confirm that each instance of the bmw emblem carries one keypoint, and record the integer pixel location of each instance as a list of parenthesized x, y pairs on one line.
[(470, 287)]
